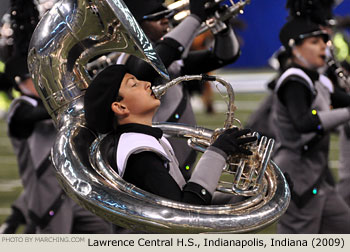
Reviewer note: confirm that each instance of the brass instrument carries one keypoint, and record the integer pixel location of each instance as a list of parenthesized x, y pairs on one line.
[(181, 9), (215, 22), (248, 172), (102, 62), (73, 33), (66, 39), (333, 64)]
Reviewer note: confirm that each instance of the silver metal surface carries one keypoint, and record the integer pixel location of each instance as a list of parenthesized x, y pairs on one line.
[(130, 206), (248, 171), (336, 67), (71, 34)]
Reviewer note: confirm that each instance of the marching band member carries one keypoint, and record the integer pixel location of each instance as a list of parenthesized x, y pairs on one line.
[(173, 48), (302, 120), (47, 209), (117, 100)]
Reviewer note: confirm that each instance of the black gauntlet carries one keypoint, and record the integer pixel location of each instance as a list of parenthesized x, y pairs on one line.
[(232, 142)]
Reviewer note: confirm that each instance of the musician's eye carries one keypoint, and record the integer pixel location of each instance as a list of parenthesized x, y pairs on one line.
[(132, 82)]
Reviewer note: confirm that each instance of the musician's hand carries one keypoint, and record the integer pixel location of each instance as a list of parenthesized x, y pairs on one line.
[(232, 141), (197, 8)]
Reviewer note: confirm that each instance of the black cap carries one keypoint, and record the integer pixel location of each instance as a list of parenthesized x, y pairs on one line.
[(99, 96), (319, 11), (16, 69), (298, 29), (142, 8)]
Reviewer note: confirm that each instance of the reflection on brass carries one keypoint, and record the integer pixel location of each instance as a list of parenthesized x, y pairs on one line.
[(216, 21)]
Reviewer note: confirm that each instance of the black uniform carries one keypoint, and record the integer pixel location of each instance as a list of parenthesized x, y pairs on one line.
[(176, 106), (174, 51), (148, 167)]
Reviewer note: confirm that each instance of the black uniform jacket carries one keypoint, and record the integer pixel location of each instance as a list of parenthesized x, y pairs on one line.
[(299, 109), (26, 116), (147, 171)]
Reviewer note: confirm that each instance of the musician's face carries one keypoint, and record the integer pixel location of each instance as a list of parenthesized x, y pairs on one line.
[(27, 87), (312, 51), (137, 96), (155, 29)]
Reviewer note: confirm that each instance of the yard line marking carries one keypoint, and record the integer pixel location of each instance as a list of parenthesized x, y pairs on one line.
[(9, 185), (5, 211), (8, 160)]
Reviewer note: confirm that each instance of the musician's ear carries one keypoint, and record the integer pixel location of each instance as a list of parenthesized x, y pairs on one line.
[(119, 109)]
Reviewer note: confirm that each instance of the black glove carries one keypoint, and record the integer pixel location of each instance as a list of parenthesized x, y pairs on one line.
[(12, 222), (197, 8), (231, 141)]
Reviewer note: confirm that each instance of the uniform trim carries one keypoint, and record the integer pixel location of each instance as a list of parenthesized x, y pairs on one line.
[(327, 83), (43, 166), (133, 143), (324, 80), (28, 99), (296, 72), (16, 102), (199, 191), (42, 222), (123, 58)]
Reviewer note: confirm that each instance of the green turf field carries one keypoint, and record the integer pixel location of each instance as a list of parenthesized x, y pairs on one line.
[(10, 186)]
